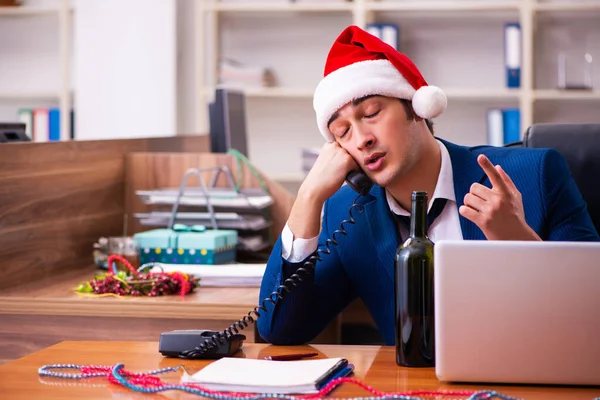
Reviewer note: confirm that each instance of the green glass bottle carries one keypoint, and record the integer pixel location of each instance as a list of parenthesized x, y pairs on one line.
[(415, 339)]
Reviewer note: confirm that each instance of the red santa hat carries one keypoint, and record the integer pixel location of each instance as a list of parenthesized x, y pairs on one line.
[(359, 64)]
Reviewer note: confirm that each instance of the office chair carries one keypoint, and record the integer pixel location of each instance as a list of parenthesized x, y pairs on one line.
[(580, 146)]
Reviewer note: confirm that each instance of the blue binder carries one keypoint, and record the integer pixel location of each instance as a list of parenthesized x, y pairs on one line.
[(54, 125), (511, 119), (512, 54)]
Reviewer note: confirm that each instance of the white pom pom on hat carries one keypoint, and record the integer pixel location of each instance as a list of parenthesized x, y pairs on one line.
[(360, 64), (429, 101)]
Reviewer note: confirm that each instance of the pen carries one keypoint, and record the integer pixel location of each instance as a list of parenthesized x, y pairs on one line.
[(290, 357)]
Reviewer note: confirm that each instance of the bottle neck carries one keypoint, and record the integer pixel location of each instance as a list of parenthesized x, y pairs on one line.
[(418, 220)]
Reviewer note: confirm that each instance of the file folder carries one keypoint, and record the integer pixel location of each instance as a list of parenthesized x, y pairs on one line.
[(512, 125), (54, 124), (512, 54), (495, 127), (374, 30), (388, 33)]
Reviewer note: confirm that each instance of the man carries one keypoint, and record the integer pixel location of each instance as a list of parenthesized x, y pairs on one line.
[(373, 106)]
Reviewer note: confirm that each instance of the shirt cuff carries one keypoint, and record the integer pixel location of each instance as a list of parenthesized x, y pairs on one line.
[(296, 250)]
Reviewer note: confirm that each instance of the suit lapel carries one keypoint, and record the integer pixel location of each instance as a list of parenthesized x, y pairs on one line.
[(465, 172), (383, 232)]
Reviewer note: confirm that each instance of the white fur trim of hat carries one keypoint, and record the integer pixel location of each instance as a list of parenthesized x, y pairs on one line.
[(371, 77)]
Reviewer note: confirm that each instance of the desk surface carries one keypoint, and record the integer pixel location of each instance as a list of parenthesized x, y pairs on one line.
[(375, 366), (57, 297)]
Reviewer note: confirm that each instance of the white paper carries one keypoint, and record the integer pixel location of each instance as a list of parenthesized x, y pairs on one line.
[(262, 376), (227, 275)]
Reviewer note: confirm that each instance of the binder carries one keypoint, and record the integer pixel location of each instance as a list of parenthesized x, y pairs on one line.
[(512, 125), (374, 30), (388, 33), (512, 54), (54, 124), (25, 115), (40, 125), (495, 127)]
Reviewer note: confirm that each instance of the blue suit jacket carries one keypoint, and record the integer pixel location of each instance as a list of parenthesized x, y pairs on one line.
[(362, 265)]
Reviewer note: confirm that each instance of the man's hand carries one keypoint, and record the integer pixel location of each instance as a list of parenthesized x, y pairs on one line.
[(328, 173), (498, 211)]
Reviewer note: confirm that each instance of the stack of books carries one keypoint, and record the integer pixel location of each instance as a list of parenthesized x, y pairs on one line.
[(238, 75)]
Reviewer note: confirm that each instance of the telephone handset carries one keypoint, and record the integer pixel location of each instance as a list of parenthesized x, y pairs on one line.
[(196, 344), (359, 182)]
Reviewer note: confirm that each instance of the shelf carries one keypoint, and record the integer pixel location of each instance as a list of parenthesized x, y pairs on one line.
[(482, 94), (570, 6), (29, 96), (270, 7), (553, 94), (280, 92), (473, 5), (395, 5), (475, 94), (270, 92), (28, 11)]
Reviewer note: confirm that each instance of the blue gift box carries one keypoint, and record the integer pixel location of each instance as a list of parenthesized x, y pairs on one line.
[(187, 245)]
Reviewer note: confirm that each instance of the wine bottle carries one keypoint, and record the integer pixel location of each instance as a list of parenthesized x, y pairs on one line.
[(415, 338)]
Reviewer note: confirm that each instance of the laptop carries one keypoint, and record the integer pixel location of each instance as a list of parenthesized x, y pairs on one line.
[(517, 312)]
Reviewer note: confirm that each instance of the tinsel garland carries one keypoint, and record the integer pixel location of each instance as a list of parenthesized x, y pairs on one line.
[(137, 283)]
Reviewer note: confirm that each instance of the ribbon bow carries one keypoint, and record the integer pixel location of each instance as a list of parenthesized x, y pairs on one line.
[(188, 228)]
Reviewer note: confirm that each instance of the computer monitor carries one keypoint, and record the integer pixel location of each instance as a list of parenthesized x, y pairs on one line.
[(227, 116), (13, 132)]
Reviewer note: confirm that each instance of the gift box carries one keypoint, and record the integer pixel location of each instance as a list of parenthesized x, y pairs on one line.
[(187, 245)]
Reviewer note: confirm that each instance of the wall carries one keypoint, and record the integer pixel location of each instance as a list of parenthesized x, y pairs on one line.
[(125, 77), (186, 68)]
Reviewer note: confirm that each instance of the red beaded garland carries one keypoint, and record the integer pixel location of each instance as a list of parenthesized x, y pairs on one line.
[(154, 382)]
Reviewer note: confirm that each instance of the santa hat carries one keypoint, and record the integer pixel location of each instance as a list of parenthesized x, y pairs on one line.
[(359, 64)]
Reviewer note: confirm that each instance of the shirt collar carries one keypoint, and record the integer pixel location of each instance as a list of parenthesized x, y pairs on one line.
[(444, 188)]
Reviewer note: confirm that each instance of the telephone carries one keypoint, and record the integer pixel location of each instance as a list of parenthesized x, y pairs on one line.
[(359, 182), (204, 344)]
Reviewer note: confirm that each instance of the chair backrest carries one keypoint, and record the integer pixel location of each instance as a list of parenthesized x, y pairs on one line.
[(580, 146)]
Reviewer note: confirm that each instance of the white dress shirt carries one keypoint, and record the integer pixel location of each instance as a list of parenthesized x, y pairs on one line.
[(445, 227)]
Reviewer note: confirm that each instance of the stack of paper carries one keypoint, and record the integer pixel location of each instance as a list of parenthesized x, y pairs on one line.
[(263, 376), (239, 75), (196, 197), (225, 220), (228, 275)]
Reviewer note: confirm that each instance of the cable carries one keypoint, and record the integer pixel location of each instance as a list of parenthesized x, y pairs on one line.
[(307, 269), (242, 159)]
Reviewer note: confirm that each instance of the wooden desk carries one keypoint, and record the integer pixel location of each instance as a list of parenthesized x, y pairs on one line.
[(44, 313), (375, 366)]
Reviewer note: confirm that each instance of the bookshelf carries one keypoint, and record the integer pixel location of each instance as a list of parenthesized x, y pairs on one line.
[(52, 87), (458, 45), (29, 11), (273, 6)]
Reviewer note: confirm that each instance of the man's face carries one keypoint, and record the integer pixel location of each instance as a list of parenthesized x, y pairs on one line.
[(380, 137)]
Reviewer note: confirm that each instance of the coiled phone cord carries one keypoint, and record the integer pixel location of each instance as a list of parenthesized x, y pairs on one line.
[(307, 269)]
